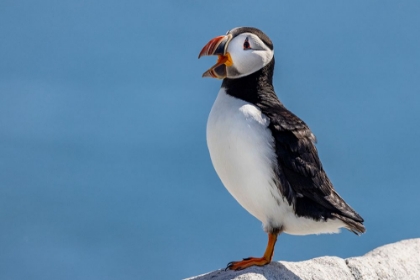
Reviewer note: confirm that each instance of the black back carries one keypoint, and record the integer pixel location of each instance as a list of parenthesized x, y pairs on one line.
[(300, 176)]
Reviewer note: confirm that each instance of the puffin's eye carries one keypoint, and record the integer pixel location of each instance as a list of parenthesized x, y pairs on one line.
[(246, 44)]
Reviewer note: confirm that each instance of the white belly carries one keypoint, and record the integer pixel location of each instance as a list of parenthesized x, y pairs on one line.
[(241, 149)]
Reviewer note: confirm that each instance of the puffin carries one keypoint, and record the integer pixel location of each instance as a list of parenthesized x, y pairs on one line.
[(264, 154)]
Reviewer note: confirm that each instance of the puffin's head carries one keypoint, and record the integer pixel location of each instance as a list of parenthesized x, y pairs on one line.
[(242, 51)]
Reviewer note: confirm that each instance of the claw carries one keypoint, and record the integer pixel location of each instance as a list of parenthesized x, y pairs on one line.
[(247, 262), (228, 266), (265, 259)]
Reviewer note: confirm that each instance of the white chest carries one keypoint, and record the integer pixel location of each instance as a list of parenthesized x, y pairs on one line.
[(241, 149)]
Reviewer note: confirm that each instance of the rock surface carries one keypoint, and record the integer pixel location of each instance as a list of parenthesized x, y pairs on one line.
[(399, 260)]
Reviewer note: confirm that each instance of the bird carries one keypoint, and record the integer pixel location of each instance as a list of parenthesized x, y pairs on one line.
[(263, 153)]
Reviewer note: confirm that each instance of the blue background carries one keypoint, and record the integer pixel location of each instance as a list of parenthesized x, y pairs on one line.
[(104, 168)]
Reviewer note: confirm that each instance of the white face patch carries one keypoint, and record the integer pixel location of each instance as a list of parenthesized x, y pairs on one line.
[(249, 54)]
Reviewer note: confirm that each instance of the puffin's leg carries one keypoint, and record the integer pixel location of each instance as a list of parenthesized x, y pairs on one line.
[(265, 259)]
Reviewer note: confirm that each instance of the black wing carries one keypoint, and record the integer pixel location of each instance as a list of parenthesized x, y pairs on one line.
[(301, 178)]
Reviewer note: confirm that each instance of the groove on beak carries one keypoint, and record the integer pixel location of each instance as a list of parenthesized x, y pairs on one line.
[(218, 70), (215, 46), (218, 46)]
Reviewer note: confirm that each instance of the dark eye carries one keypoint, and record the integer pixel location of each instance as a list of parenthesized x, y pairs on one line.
[(246, 44)]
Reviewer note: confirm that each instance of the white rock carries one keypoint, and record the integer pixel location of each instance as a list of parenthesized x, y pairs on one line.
[(399, 260)]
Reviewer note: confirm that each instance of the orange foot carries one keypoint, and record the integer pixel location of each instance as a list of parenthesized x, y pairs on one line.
[(266, 259), (239, 265)]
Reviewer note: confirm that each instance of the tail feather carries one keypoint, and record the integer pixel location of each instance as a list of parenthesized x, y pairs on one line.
[(352, 225), (344, 209)]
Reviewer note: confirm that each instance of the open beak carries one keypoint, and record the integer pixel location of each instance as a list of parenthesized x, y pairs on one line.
[(218, 46)]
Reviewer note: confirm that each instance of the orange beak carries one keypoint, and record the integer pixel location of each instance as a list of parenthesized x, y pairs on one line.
[(218, 46)]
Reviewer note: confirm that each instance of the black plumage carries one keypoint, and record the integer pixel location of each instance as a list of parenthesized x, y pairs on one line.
[(300, 176)]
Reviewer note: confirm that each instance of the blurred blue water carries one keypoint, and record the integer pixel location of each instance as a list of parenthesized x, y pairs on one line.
[(104, 169)]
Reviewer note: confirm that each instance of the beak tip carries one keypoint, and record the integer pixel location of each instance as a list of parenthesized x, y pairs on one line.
[(206, 74), (203, 52)]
